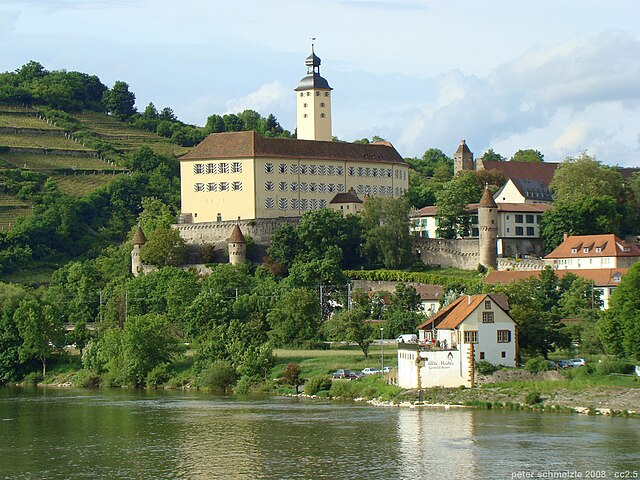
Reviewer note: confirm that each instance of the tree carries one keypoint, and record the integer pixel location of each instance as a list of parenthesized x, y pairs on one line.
[(432, 160), (584, 176), (386, 231), (398, 321), (452, 201), (491, 156), (119, 101), (37, 328), (406, 298), (11, 367), (528, 155), (584, 216), (295, 318), (164, 246), (619, 327), (352, 326), (533, 305)]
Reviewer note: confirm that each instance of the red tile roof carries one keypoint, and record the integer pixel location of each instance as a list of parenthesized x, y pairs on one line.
[(251, 144), (542, 171), (609, 245), (456, 312), (601, 277), (432, 210), (236, 235)]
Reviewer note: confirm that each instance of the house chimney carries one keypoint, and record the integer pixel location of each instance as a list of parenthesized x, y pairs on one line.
[(469, 299), (565, 235)]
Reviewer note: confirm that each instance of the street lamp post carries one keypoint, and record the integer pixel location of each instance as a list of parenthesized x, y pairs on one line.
[(382, 350)]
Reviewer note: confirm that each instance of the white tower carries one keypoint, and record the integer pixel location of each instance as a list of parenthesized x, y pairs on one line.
[(138, 242), (314, 103)]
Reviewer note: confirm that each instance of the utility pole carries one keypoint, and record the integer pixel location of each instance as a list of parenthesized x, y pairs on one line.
[(348, 296), (321, 308)]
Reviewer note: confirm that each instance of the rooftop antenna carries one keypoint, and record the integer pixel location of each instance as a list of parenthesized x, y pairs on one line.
[(313, 39)]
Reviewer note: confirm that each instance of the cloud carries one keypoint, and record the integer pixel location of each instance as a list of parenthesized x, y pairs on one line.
[(265, 98), (8, 21), (559, 100)]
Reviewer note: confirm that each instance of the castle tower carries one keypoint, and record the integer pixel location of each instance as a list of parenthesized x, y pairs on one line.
[(138, 242), (463, 158), (313, 103), (488, 226), (237, 247)]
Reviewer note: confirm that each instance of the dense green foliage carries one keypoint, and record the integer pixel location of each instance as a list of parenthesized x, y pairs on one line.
[(590, 198), (620, 325), (69, 226)]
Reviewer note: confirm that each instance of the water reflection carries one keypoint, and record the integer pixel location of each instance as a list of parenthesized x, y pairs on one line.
[(167, 435)]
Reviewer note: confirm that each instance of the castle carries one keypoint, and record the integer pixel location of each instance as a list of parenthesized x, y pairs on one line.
[(259, 183)]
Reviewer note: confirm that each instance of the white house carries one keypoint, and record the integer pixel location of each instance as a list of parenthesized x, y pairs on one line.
[(579, 252), (471, 329)]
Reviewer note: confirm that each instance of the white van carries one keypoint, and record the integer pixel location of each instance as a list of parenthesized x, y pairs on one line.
[(407, 338)]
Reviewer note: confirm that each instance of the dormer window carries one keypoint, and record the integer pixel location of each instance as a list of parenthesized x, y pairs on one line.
[(585, 250), (617, 277), (598, 249), (574, 250)]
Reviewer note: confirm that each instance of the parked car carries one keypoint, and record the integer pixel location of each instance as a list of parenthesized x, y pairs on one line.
[(386, 369), (370, 371), (572, 362), (346, 374)]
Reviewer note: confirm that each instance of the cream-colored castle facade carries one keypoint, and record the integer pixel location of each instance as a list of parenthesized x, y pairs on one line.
[(245, 176)]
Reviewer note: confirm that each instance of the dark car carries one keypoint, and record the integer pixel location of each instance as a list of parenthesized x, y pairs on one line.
[(345, 374)]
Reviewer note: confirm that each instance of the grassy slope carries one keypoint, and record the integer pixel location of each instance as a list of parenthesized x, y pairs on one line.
[(67, 170)]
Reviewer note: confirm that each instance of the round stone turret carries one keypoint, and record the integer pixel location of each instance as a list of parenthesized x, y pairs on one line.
[(138, 242), (237, 246), (488, 227)]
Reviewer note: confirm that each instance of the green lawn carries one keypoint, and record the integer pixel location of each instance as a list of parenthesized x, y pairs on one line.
[(319, 362)]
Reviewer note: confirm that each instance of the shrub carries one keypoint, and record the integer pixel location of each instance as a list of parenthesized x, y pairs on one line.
[(532, 398), (485, 368), (537, 364), (291, 375), (317, 384), (608, 367), (158, 376), (86, 378), (33, 378), (218, 376)]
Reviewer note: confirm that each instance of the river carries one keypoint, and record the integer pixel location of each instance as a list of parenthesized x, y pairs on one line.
[(128, 434)]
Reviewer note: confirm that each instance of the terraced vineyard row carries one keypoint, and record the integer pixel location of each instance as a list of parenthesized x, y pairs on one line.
[(40, 141), (7, 200), (79, 185), (9, 216), (24, 121), (56, 162)]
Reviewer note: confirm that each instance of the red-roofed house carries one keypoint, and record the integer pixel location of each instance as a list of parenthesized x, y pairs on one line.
[(593, 251), (471, 329)]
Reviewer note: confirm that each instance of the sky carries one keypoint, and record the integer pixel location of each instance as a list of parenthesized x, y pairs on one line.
[(558, 76)]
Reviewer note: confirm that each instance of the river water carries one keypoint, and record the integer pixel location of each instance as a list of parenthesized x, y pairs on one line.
[(122, 434)]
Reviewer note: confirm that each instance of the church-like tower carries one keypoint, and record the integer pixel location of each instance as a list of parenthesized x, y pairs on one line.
[(488, 226), (314, 103), (463, 158)]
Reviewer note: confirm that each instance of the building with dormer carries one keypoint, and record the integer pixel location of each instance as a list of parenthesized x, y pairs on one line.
[(578, 252), (243, 176)]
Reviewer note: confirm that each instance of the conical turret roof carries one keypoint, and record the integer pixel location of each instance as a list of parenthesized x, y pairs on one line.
[(487, 200), (138, 237), (236, 235)]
